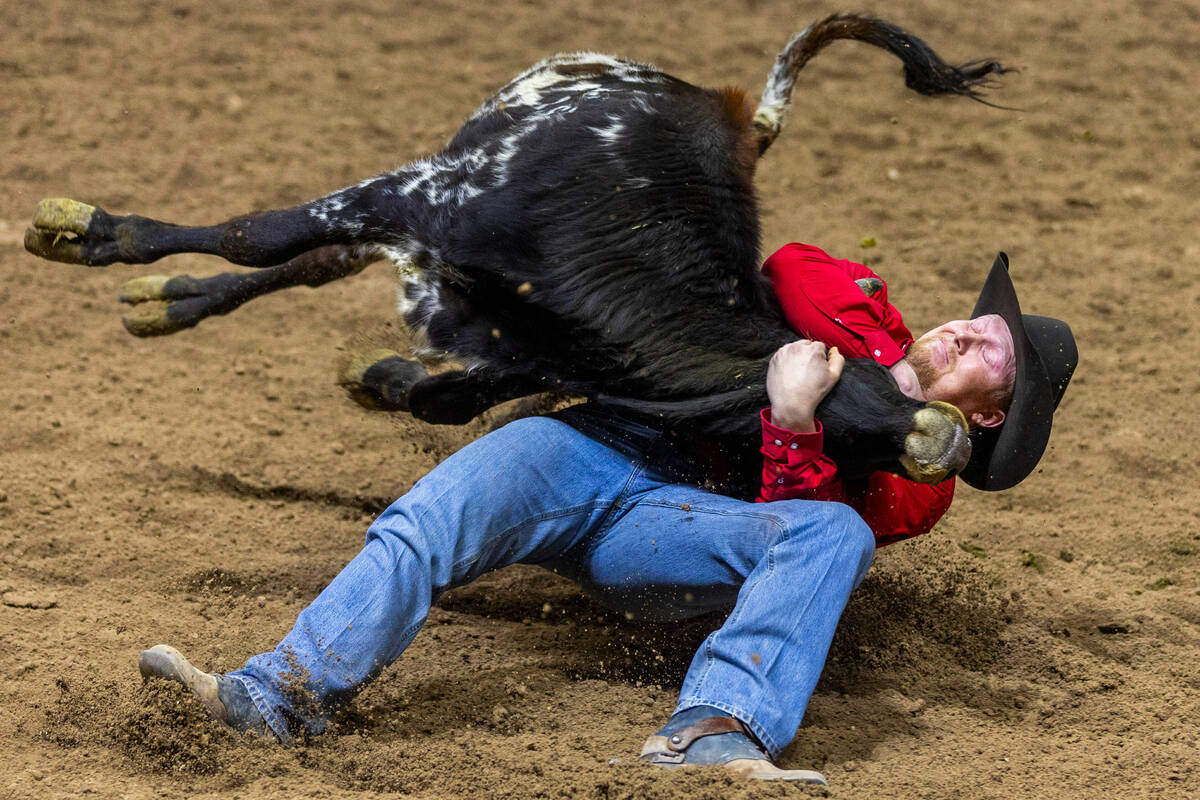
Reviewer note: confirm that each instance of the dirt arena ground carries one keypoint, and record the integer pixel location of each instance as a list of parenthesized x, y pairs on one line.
[(201, 488)]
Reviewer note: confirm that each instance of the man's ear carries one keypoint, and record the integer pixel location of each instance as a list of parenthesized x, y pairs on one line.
[(987, 419)]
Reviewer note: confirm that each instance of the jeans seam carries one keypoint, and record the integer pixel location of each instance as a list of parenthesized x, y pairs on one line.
[(618, 503), (547, 515), (766, 739), (777, 525), (775, 520)]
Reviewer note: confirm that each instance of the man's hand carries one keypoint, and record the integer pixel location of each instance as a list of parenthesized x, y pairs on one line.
[(799, 376)]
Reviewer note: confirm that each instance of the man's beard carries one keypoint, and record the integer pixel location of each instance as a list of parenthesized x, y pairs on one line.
[(919, 357)]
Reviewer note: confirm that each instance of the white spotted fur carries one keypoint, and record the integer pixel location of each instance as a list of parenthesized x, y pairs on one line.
[(776, 97), (451, 180)]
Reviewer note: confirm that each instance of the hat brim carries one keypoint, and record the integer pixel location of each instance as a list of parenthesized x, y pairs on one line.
[(1003, 456)]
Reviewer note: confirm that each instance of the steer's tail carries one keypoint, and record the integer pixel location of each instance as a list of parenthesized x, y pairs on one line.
[(924, 70)]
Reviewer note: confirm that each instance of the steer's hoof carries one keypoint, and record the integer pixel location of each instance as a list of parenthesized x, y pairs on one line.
[(149, 315), (163, 304), (381, 380), (144, 288), (63, 214), (60, 232), (58, 228), (938, 445), (54, 246), (151, 319)]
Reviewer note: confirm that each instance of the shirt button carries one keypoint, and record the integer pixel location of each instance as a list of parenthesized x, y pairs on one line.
[(778, 443), (779, 480), (793, 445), (878, 353)]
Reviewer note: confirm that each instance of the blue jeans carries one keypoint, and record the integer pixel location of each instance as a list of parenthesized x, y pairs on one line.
[(540, 492)]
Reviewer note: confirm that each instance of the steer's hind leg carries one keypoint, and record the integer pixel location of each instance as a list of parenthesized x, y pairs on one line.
[(163, 304), (77, 233), (381, 379), (384, 381), (456, 398)]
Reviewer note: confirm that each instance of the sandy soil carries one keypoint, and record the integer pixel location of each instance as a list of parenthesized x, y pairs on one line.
[(199, 489)]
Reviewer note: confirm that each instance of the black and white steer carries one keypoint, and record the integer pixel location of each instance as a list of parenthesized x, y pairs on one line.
[(592, 229)]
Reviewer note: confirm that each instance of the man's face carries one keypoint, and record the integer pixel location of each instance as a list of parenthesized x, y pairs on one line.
[(968, 363)]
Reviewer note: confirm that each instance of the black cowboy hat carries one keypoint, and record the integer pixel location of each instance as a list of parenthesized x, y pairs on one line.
[(1046, 356)]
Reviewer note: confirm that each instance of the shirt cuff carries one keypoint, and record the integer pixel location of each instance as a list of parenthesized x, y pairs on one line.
[(882, 348), (788, 447)]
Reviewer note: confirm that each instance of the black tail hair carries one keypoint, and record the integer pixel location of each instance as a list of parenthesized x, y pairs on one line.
[(924, 70)]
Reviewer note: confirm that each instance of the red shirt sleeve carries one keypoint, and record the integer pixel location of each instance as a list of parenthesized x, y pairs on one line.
[(795, 466), (821, 301)]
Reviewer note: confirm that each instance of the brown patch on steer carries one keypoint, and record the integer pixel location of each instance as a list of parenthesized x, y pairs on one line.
[(736, 112)]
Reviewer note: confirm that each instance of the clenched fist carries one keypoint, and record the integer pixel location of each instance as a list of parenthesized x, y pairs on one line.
[(799, 376)]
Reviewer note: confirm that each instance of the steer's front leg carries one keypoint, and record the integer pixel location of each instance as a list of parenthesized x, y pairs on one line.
[(871, 425)]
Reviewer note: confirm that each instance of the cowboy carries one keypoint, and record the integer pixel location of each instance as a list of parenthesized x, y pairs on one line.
[(608, 503)]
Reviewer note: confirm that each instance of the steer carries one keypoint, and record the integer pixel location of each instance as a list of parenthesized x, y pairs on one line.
[(592, 229)]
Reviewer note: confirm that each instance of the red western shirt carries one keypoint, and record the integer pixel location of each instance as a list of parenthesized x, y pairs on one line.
[(821, 301)]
